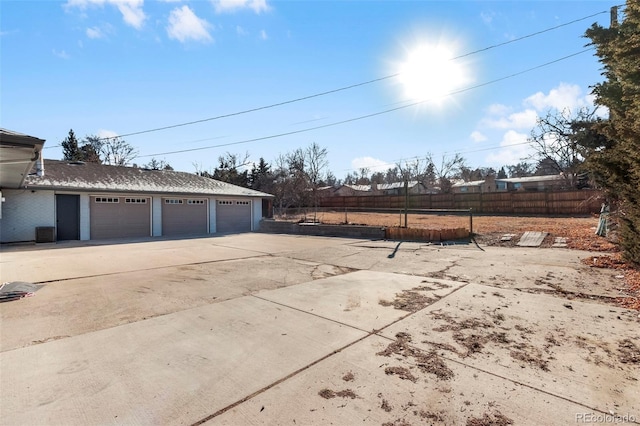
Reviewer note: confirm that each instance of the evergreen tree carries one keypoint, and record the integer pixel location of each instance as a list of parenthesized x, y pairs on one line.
[(261, 178), (617, 164), (70, 150)]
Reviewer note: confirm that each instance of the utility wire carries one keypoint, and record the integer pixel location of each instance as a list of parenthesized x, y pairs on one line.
[(375, 114), (352, 86)]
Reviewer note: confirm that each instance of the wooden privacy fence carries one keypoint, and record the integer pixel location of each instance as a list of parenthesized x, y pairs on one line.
[(547, 203)]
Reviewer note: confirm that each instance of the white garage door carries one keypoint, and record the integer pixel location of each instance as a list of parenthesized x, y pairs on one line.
[(233, 216), (120, 217), (184, 216)]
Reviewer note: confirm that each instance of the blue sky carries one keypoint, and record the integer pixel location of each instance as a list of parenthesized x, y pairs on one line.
[(110, 67)]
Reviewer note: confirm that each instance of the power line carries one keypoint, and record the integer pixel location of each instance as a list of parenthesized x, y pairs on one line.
[(375, 114), (352, 86)]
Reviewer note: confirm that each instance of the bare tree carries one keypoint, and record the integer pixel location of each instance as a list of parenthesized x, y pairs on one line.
[(446, 169), (154, 164), (315, 165), (363, 176), (556, 141), (117, 152)]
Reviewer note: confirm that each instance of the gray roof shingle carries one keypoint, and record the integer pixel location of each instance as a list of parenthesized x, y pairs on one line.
[(97, 177)]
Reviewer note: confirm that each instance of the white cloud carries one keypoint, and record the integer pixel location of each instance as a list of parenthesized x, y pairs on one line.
[(498, 109), (263, 35), (131, 10), (477, 136), (514, 148), (368, 163), (94, 32), (562, 97), (487, 17), (241, 31), (61, 54), (518, 120), (223, 6), (184, 25), (103, 134)]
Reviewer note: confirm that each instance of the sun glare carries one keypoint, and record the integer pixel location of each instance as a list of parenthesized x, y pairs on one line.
[(430, 73)]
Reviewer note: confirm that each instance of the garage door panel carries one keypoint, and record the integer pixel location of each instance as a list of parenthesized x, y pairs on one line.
[(184, 216), (233, 216), (120, 217)]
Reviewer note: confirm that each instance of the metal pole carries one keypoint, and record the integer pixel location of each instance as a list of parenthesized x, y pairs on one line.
[(471, 223), (406, 200)]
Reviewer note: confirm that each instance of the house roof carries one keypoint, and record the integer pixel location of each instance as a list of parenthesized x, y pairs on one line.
[(102, 178), (396, 185), (533, 178), (362, 188), (512, 180), (470, 183)]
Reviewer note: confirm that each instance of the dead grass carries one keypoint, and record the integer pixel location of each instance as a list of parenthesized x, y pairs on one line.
[(629, 353), (580, 231), (328, 394), (428, 362), (401, 372), (631, 276), (490, 419), (410, 300)]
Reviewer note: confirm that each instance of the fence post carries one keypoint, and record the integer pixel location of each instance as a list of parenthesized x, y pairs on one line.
[(406, 201), (546, 202)]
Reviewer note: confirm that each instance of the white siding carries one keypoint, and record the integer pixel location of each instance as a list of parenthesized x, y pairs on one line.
[(23, 211), (212, 215), (85, 218), (256, 206), (156, 216)]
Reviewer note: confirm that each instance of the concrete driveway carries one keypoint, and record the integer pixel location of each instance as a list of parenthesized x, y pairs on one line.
[(277, 329)]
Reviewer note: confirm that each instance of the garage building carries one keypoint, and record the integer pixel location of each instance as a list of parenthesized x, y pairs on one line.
[(51, 200)]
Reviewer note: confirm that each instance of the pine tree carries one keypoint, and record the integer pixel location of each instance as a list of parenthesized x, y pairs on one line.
[(70, 150), (617, 164)]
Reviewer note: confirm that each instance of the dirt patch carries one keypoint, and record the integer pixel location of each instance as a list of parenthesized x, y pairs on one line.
[(430, 415), (328, 394), (579, 231), (410, 300), (397, 422), (628, 352), (401, 372), (473, 342), (349, 377), (495, 418), (386, 406), (427, 362), (473, 334), (530, 355)]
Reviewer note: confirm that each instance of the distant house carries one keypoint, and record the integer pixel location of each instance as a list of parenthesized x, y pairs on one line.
[(487, 185), (396, 188), (325, 191), (353, 190), (530, 183), (87, 201), (535, 183)]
